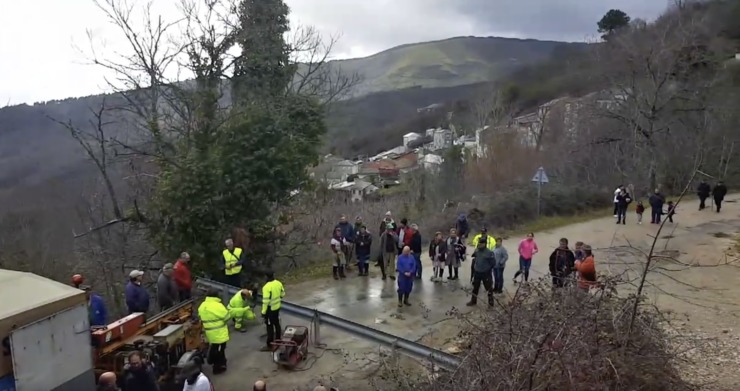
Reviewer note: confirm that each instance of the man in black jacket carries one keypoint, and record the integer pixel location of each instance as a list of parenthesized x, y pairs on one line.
[(363, 243), (703, 191), (562, 263), (416, 248), (138, 375), (719, 192), (483, 263), (656, 206)]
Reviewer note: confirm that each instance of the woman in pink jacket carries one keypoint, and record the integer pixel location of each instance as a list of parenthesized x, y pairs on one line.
[(527, 249)]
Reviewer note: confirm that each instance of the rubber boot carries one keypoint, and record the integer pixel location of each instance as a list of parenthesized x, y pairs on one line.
[(490, 299), (449, 272), (341, 272), (400, 299), (456, 274), (406, 299), (334, 272), (473, 301)]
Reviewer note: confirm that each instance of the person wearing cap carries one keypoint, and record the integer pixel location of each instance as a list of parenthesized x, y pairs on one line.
[(272, 298), (214, 316), (388, 219), (137, 298), (232, 260), (193, 377), (483, 235), (167, 294), (183, 277), (96, 308), (586, 269), (241, 309), (484, 260), (363, 245)]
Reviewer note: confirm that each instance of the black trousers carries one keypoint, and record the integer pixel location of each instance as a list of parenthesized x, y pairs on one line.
[(621, 213), (702, 202), (616, 208), (185, 294), (655, 214), (217, 356), (718, 203), (272, 321), (233, 280), (487, 279), (559, 279)]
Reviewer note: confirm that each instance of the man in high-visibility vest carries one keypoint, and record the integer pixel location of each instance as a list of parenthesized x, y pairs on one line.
[(272, 297), (490, 241), (214, 317), (232, 260), (240, 309)]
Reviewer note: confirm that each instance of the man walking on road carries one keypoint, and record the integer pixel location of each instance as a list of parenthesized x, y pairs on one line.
[(703, 191), (719, 192), (483, 263), (272, 298)]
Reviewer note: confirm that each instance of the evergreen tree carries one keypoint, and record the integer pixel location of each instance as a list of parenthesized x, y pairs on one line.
[(612, 21), (263, 70)]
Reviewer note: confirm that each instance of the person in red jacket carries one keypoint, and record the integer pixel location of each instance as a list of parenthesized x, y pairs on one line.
[(183, 277)]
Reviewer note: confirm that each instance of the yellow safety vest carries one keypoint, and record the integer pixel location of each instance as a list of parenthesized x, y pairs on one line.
[(491, 242), (231, 260), (237, 301), (272, 295), (214, 316)]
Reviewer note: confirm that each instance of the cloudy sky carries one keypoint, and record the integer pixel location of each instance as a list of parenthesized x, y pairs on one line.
[(45, 48)]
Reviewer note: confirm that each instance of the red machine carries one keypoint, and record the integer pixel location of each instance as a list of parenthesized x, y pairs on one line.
[(292, 348), (119, 330)]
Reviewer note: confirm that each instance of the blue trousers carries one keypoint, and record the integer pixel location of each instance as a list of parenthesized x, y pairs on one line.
[(405, 284), (417, 257), (498, 279)]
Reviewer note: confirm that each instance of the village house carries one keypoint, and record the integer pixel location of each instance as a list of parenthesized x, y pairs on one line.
[(355, 191)]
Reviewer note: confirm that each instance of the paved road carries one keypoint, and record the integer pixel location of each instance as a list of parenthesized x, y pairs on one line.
[(371, 301)]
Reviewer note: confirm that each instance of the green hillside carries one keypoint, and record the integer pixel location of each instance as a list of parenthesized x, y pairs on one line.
[(447, 63)]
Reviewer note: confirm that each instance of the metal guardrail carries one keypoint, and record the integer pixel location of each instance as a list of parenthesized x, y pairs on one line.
[(318, 318)]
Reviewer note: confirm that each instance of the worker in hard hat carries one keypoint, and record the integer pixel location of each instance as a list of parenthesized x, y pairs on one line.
[(241, 309), (272, 298), (214, 317)]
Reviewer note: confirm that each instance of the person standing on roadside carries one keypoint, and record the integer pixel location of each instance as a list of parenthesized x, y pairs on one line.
[(623, 201), (337, 245), (484, 262), (406, 267), (455, 254), (703, 191), (232, 261), (656, 202), (137, 297), (616, 193), (167, 294), (719, 192), (586, 270), (415, 244), (388, 244), (562, 261), (387, 220), (501, 256), (348, 233), (462, 227), (438, 255), (363, 245), (527, 249), (183, 277)]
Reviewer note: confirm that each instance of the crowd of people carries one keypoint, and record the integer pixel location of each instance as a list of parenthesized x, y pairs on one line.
[(400, 250), (660, 206)]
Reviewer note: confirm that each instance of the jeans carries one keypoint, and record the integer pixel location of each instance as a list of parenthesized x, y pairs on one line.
[(498, 279), (621, 213), (524, 265), (417, 257), (655, 214)]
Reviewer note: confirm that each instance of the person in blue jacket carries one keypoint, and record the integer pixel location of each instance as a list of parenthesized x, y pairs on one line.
[(96, 307), (462, 226), (406, 267), (137, 298)]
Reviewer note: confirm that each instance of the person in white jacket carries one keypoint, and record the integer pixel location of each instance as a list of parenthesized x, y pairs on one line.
[(195, 379), (616, 193)]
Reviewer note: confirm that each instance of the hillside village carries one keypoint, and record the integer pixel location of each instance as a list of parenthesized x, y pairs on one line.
[(358, 178)]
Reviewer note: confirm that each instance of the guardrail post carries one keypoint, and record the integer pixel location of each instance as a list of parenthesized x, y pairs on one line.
[(316, 324)]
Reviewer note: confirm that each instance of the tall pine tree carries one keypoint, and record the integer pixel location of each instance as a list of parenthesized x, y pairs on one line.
[(263, 71)]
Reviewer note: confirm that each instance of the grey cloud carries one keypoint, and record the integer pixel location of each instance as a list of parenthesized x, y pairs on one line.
[(381, 24)]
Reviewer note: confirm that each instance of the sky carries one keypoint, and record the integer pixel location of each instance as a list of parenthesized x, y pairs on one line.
[(46, 51)]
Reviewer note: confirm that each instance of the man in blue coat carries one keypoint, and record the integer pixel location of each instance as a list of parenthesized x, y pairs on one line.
[(406, 266), (96, 308), (137, 298)]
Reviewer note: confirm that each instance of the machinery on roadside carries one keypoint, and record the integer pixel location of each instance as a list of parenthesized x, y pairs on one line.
[(291, 348), (167, 341)]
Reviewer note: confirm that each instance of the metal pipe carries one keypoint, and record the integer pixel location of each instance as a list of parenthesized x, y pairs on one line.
[(405, 346)]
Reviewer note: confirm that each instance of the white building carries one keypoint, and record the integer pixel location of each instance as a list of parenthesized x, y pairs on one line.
[(357, 190), (442, 139), (409, 137), (347, 167)]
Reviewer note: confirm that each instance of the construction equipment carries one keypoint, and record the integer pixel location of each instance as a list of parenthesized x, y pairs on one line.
[(167, 341), (291, 348)]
